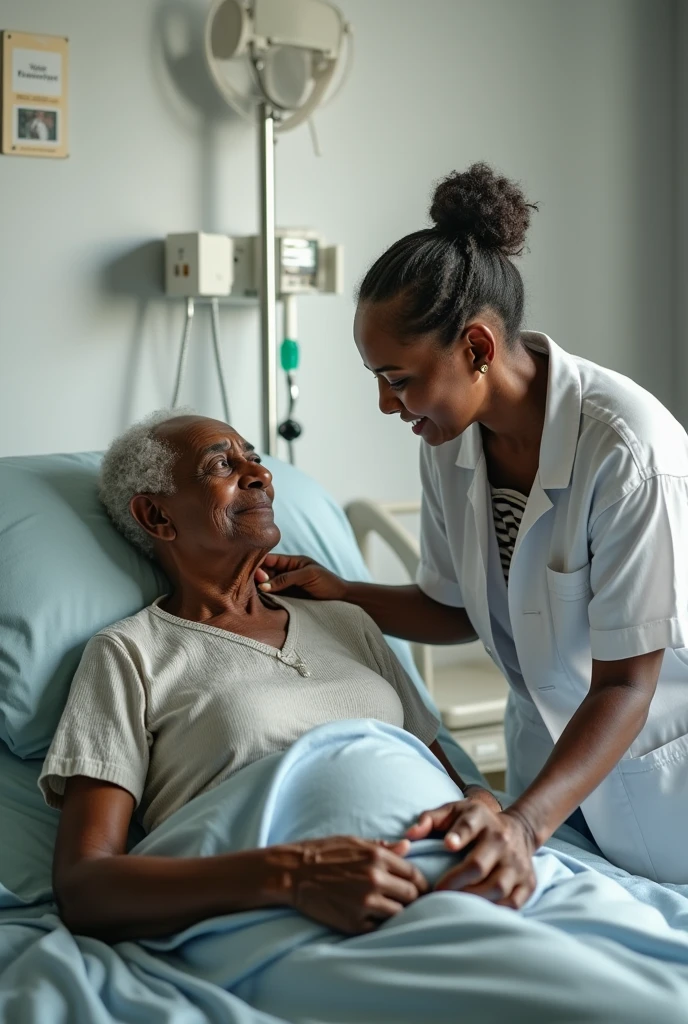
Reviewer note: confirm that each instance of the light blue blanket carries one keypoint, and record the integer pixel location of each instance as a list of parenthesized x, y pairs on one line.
[(584, 948)]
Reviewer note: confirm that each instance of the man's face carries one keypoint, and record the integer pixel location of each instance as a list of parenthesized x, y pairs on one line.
[(223, 493)]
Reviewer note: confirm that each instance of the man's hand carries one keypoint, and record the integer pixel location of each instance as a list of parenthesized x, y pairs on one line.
[(500, 845), (346, 883)]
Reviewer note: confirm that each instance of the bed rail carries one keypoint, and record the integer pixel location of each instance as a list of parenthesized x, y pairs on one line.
[(368, 517)]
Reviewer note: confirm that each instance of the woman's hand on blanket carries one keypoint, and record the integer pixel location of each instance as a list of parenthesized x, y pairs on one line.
[(499, 848), (287, 572), (347, 883), (441, 819)]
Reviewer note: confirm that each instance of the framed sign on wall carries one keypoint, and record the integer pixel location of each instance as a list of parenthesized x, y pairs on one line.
[(34, 94)]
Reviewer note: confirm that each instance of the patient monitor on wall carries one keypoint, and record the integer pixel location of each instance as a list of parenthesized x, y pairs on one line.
[(304, 265)]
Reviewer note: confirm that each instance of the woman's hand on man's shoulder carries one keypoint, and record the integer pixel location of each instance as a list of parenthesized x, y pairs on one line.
[(302, 576)]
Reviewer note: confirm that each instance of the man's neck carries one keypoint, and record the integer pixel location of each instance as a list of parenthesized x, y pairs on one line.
[(228, 591)]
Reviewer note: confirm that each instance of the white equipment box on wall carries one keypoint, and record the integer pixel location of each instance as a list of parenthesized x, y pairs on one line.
[(198, 265)]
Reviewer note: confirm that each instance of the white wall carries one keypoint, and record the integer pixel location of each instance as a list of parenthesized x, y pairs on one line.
[(575, 99)]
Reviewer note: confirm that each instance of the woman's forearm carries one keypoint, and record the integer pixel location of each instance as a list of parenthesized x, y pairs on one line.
[(597, 736), (124, 896), (408, 613)]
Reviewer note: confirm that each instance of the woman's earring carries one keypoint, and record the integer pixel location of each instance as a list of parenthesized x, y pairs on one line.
[(484, 368)]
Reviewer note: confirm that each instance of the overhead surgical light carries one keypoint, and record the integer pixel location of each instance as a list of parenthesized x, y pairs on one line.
[(281, 52)]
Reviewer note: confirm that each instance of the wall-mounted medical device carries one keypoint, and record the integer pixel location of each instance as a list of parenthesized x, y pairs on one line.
[(198, 265), (201, 266), (304, 265)]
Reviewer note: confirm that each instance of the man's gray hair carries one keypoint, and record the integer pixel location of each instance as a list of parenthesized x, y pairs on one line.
[(138, 462)]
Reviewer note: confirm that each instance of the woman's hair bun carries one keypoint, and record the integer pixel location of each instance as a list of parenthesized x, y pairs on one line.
[(479, 203)]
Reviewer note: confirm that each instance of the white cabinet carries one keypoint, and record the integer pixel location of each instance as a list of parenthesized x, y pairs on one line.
[(471, 696)]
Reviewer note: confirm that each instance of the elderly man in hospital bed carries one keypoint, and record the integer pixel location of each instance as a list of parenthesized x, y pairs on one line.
[(215, 681), (204, 682)]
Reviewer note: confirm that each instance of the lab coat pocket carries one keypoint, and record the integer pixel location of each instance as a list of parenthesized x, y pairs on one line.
[(569, 596), (656, 784), (570, 586)]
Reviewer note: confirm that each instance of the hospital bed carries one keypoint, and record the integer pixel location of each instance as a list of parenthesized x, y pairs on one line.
[(64, 574)]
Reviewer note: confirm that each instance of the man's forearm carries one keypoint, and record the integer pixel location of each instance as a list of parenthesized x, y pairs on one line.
[(124, 896)]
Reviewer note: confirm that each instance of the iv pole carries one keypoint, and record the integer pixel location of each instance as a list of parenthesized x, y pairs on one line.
[(267, 283)]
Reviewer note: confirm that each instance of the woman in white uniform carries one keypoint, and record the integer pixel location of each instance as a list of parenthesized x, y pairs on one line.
[(554, 528)]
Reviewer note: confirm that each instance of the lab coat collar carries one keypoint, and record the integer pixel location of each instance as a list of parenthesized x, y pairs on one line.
[(562, 418)]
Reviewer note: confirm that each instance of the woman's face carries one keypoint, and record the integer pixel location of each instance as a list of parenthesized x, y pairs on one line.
[(438, 390), (223, 493)]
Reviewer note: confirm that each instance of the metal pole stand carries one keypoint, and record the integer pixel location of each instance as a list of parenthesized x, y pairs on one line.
[(267, 284)]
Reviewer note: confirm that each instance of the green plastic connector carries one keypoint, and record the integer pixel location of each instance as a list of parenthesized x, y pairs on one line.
[(289, 355)]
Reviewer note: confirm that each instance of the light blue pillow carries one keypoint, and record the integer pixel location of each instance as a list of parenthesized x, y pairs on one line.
[(65, 573)]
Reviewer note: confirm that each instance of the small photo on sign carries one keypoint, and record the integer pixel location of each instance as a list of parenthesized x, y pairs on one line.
[(37, 125)]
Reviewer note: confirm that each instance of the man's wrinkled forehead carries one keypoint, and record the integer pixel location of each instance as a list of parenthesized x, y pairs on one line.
[(194, 437)]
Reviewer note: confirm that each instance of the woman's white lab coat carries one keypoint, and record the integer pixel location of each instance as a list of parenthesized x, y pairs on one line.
[(600, 571)]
